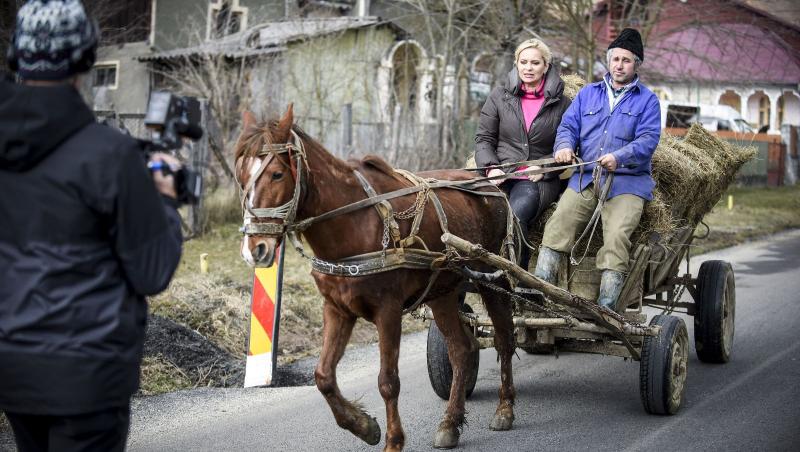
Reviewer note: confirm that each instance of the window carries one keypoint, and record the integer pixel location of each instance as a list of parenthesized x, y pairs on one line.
[(763, 112), (225, 17), (105, 75)]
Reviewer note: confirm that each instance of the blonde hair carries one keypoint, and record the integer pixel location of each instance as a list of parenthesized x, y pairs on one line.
[(536, 44)]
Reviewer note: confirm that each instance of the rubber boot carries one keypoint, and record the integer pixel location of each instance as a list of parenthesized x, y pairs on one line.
[(611, 283), (548, 264)]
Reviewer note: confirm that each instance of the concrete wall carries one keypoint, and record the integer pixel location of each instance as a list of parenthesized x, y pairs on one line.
[(133, 79)]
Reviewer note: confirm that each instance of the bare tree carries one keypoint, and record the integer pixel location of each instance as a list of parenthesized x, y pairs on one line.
[(216, 72)]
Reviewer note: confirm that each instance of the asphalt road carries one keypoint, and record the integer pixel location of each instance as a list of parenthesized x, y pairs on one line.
[(572, 402)]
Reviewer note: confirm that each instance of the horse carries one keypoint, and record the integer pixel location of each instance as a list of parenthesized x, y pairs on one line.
[(289, 178)]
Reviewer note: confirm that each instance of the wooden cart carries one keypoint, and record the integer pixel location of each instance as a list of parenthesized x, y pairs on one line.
[(567, 318)]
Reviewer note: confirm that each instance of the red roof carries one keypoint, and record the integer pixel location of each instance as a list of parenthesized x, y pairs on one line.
[(735, 52)]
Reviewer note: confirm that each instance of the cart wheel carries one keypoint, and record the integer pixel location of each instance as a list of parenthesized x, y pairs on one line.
[(440, 372), (662, 371), (713, 321)]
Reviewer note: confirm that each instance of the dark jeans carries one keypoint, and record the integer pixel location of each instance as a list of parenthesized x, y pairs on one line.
[(105, 430), (524, 198)]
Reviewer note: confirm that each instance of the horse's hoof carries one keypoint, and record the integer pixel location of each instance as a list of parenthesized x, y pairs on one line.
[(373, 435), (501, 422), (446, 438)]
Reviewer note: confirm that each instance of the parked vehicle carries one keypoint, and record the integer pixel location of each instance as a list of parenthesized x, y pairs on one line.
[(711, 117)]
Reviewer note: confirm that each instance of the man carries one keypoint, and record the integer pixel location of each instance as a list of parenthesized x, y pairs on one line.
[(84, 236), (616, 121)]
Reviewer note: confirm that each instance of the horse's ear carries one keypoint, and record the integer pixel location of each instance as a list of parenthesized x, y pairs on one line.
[(285, 124), (248, 119)]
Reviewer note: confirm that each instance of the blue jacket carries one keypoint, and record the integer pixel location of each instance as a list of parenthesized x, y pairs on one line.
[(630, 132)]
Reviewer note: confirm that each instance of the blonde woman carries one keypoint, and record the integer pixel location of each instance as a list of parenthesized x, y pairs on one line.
[(518, 122)]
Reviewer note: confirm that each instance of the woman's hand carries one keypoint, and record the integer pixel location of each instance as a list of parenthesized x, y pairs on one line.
[(495, 172), (535, 177)]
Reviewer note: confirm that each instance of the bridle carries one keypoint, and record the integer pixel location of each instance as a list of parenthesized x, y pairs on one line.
[(286, 212)]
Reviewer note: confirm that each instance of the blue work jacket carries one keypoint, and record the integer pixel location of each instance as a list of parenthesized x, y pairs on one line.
[(630, 132)]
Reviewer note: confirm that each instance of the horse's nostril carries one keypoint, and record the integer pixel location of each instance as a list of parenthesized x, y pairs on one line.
[(259, 252)]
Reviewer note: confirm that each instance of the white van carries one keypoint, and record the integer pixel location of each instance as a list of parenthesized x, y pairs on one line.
[(711, 117)]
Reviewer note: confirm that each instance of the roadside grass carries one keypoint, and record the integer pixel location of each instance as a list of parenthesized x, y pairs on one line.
[(216, 304), (757, 211)]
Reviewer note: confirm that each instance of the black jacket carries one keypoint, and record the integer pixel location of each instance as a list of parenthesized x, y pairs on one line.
[(502, 138), (84, 236)]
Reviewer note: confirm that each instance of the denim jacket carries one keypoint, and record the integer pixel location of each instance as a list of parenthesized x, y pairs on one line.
[(630, 132)]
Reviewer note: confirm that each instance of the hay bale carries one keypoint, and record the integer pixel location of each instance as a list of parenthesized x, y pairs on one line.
[(572, 84)]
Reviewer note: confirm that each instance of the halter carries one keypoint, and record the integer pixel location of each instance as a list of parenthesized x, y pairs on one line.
[(287, 211)]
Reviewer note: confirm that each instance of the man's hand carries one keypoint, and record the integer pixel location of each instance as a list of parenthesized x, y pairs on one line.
[(165, 181), (495, 172), (564, 155), (608, 162), (535, 177)]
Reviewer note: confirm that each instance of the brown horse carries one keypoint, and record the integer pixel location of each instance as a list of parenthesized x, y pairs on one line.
[(329, 183)]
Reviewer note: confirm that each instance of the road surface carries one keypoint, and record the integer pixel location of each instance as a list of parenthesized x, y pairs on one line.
[(570, 402)]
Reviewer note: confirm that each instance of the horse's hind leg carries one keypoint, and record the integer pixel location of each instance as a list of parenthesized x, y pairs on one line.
[(445, 313), (499, 309), (388, 321), (336, 331)]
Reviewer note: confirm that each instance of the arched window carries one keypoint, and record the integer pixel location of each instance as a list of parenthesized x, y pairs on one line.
[(763, 112), (731, 99), (404, 76)]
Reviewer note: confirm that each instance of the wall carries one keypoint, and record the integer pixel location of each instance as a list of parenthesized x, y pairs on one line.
[(133, 79)]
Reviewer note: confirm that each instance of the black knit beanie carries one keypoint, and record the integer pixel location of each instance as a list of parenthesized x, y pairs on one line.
[(629, 39)]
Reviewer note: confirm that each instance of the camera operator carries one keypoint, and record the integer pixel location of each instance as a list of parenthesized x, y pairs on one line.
[(86, 232)]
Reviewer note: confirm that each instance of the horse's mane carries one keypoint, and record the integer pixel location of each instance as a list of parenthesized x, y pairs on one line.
[(377, 163)]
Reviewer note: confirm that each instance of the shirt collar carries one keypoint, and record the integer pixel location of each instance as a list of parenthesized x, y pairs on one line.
[(618, 92)]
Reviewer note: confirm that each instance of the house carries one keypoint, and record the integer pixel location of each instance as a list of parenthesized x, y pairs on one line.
[(736, 53), (331, 59)]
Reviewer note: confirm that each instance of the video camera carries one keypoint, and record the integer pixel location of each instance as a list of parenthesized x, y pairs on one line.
[(171, 117)]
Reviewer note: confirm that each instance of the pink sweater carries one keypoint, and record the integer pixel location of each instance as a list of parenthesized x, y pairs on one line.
[(531, 104)]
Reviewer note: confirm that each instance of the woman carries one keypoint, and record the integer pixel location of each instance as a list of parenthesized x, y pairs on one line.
[(518, 122)]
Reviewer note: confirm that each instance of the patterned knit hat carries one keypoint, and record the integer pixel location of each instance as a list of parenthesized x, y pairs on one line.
[(53, 40)]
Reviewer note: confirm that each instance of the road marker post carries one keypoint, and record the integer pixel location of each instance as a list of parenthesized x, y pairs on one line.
[(265, 314)]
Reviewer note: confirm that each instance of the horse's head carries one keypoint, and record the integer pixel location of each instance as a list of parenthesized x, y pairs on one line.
[(267, 157)]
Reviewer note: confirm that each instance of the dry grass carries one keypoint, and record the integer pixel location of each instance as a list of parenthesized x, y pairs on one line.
[(160, 376)]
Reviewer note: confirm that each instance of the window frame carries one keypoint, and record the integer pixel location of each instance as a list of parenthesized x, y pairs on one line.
[(108, 64)]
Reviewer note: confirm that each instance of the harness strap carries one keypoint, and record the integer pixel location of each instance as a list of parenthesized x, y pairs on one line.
[(470, 185)]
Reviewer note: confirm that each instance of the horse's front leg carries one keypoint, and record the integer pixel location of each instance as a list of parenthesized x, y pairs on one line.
[(499, 309), (459, 345), (389, 324), (336, 330)]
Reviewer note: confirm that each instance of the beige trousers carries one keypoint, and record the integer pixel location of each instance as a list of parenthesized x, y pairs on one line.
[(620, 216)]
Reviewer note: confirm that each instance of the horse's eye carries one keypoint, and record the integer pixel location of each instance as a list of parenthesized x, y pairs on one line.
[(277, 175)]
